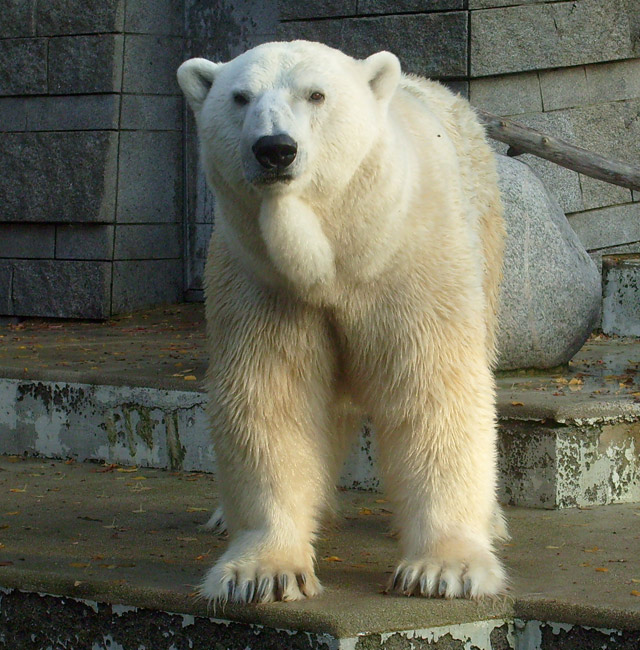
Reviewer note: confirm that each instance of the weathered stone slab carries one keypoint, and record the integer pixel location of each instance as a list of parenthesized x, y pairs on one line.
[(292, 9), (612, 226), (158, 17), (538, 36), (442, 38), (490, 4), (70, 113), (6, 285), (143, 283), (150, 177), (64, 17), (84, 242), (509, 95), (614, 81), (149, 241), (401, 6), (61, 289), (150, 64), (23, 66), (30, 241), (621, 295), (551, 292), (85, 64), (151, 112), (17, 18), (599, 194), (564, 88), (80, 172)]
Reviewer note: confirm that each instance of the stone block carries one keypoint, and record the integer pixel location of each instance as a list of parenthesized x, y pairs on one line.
[(151, 112), (79, 168), (559, 34), (6, 285), (551, 293), (490, 4), (61, 289), (158, 17), (598, 255), (23, 66), (239, 20), (621, 295), (84, 242), (510, 95), (294, 9), (599, 194), (407, 6), (442, 37), (458, 87), (564, 88), (148, 241), (27, 241), (17, 18), (142, 283), (150, 177), (150, 64), (612, 226), (69, 113), (617, 81), (85, 64), (65, 17)]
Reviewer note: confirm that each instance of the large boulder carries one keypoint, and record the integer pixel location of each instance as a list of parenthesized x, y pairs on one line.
[(551, 291)]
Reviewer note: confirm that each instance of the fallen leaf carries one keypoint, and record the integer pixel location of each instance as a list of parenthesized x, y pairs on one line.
[(332, 558), (77, 583), (517, 403), (194, 509), (552, 546), (602, 569), (594, 549), (585, 564), (11, 514), (139, 478), (127, 469), (635, 579), (381, 501), (635, 592), (6, 563), (24, 489), (190, 378), (79, 565), (365, 511)]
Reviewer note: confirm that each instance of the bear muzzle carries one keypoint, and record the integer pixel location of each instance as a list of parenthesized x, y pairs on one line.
[(275, 152)]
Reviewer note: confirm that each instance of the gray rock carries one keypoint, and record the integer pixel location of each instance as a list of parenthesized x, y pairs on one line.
[(84, 242), (150, 64), (142, 283), (319, 9), (30, 241), (442, 37), (551, 291), (409, 6), (63, 17), (17, 18)]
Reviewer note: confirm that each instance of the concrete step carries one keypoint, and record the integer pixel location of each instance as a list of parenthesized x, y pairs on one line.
[(621, 294), (95, 556), (130, 391)]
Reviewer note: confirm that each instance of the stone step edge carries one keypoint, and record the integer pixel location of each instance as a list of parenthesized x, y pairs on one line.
[(116, 624)]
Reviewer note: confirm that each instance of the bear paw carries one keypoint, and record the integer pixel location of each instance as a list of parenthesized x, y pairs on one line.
[(448, 577), (217, 523), (248, 582)]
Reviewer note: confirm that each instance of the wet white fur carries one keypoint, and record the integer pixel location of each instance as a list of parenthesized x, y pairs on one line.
[(367, 285)]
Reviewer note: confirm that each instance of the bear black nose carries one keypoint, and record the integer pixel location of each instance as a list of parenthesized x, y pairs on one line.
[(275, 151)]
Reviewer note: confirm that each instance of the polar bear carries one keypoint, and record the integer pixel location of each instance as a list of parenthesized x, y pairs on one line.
[(353, 270)]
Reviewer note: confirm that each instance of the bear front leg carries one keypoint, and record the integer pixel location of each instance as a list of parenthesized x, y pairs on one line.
[(270, 379), (437, 442)]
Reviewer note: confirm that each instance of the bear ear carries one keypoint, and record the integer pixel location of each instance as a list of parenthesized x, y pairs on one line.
[(383, 69), (195, 77)]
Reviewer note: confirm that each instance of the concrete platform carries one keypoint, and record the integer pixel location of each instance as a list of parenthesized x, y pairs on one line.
[(130, 391), (95, 556)]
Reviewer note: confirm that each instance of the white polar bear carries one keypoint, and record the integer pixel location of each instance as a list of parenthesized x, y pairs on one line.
[(353, 270)]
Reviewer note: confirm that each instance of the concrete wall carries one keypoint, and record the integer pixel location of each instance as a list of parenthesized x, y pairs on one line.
[(570, 69)]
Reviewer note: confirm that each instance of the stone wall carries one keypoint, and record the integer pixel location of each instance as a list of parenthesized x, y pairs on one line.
[(102, 206), (570, 69), (91, 155)]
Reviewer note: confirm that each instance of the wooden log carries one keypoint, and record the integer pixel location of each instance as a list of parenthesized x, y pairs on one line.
[(522, 139)]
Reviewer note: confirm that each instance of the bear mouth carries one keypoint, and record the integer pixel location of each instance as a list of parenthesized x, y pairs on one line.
[(273, 179)]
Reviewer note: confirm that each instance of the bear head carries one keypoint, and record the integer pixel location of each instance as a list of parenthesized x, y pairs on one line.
[(283, 117)]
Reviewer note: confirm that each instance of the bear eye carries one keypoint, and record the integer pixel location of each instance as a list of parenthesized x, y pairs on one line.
[(316, 97), (240, 99)]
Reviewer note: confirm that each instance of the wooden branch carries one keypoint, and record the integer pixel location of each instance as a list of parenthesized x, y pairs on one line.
[(522, 139)]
